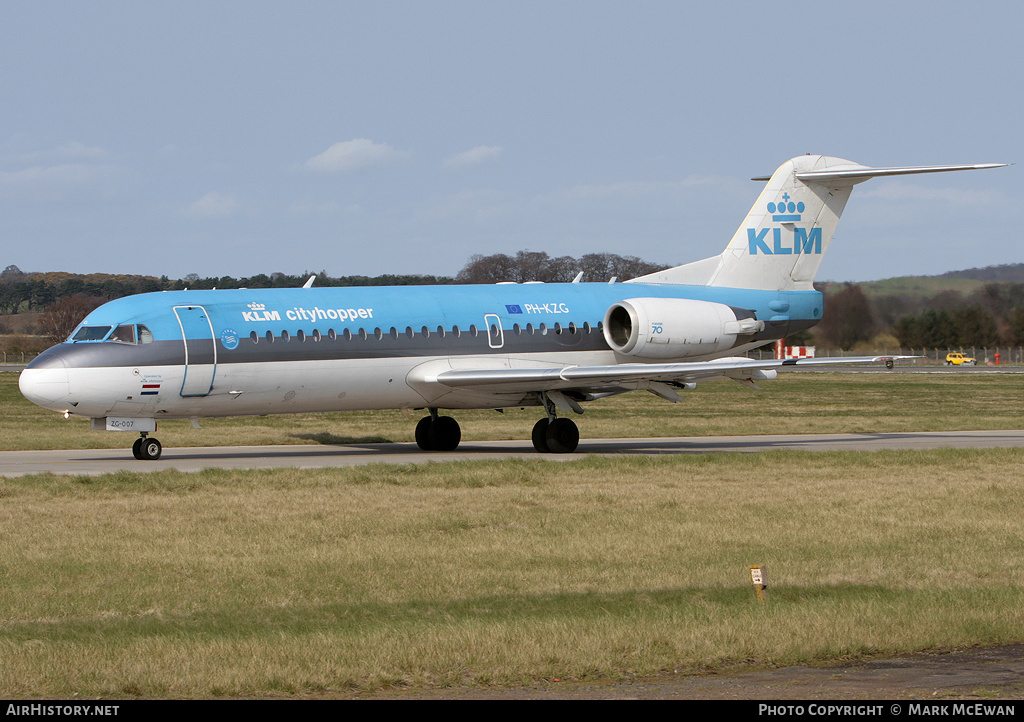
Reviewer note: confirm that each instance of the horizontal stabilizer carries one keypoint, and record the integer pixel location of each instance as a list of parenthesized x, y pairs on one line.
[(862, 173)]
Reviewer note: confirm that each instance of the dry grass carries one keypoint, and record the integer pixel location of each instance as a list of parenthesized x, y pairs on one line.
[(332, 582)]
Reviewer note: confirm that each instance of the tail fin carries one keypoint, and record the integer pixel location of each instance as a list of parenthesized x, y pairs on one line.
[(785, 235)]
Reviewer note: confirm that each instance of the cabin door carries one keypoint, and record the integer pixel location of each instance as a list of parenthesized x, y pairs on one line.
[(200, 350)]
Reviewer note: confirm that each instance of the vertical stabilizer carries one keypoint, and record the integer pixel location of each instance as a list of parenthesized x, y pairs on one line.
[(781, 242)]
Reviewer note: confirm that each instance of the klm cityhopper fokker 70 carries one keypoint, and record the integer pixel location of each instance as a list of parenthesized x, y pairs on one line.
[(188, 354)]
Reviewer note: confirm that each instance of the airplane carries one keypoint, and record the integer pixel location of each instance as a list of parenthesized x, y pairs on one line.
[(187, 354)]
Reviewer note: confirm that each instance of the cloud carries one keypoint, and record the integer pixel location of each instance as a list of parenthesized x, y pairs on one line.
[(481, 155), (61, 182), (67, 174), (354, 155), (58, 172), (213, 206)]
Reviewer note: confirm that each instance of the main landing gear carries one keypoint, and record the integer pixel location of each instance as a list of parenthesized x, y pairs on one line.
[(146, 448), (438, 433), (556, 436), (551, 435)]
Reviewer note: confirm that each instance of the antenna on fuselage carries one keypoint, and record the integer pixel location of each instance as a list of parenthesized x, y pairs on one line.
[(309, 283)]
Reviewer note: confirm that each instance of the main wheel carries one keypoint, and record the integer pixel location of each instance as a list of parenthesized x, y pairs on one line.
[(423, 433), (563, 436), (137, 448), (444, 434), (540, 436)]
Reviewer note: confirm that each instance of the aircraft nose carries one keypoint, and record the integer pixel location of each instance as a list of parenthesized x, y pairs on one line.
[(48, 387)]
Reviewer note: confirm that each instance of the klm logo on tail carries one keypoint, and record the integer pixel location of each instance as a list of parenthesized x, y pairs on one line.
[(803, 240)]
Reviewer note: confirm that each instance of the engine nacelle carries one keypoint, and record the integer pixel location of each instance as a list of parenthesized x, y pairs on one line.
[(669, 328)]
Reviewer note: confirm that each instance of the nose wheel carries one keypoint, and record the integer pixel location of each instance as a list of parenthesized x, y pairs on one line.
[(146, 449)]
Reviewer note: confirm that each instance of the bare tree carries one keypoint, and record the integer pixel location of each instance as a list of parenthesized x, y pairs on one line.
[(60, 318)]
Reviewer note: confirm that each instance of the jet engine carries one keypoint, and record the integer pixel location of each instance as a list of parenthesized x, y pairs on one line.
[(669, 328)]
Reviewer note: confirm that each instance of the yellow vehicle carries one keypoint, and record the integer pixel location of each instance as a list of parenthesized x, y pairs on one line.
[(955, 358)]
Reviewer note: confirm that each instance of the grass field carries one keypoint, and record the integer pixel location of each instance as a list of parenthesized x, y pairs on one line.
[(336, 582), (793, 403)]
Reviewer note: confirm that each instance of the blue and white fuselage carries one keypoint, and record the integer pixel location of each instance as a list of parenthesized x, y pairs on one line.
[(182, 354), (188, 354)]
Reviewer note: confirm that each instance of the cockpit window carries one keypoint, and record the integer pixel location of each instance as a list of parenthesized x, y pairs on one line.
[(91, 333), (123, 334)]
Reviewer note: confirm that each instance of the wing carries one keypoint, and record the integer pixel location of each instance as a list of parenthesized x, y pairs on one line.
[(661, 379)]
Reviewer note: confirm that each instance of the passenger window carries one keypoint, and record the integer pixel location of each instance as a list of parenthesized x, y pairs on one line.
[(255, 337)]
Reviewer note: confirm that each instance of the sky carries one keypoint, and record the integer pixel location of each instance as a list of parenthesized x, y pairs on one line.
[(390, 136)]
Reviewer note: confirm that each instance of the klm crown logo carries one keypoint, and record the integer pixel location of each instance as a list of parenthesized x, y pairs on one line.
[(787, 211), (797, 240)]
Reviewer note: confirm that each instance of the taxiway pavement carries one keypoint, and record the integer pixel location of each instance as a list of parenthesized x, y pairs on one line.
[(93, 462)]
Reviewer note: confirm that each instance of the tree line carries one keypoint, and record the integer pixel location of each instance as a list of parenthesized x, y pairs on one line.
[(989, 317), (21, 292)]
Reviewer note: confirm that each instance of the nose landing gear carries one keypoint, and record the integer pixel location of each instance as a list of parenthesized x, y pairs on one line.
[(146, 449)]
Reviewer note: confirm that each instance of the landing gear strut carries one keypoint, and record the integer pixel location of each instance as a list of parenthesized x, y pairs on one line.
[(554, 435), (438, 433), (146, 449)]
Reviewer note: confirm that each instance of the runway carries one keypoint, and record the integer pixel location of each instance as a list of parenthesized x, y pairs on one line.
[(93, 462)]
